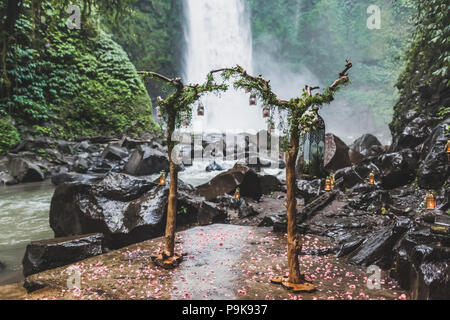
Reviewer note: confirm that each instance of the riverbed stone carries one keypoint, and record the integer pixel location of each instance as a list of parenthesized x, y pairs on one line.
[(146, 161), (227, 182), (336, 154), (25, 171), (435, 168), (364, 143), (378, 248), (48, 254)]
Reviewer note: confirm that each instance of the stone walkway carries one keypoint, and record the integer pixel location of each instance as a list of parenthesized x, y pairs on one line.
[(221, 262)]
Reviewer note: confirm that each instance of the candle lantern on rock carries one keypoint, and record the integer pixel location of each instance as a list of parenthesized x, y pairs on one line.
[(162, 178), (430, 200), (237, 193), (328, 184), (372, 178)]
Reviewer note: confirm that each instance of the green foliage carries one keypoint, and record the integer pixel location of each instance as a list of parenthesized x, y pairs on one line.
[(151, 34), (425, 80), (9, 136), (72, 82)]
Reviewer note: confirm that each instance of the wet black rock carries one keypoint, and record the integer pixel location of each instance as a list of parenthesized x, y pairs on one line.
[(2, 266), (25, 171), (124, 208), (378, 248), (422, 265), (227, 182), (213, 166), (49, 254), (146, 161), (364, 144), (358, 174), (210, 213), (369, 198), (349, 246), (416, 132), (336, 153), (245, 210), (269, 184), (309, 189), (114, 153), (398, 168), (6, 179), (435, 168)]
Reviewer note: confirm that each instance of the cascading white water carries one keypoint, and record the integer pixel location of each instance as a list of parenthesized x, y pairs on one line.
[(218, 34)]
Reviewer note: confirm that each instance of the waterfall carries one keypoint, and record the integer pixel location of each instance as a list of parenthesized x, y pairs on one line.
[(218, 34)]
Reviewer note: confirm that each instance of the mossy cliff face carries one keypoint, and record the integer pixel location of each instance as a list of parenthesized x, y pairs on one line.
[(67, 83), (424, 84)]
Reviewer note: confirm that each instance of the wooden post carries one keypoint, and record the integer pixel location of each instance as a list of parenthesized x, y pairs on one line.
[(294, 242), (171, 222)]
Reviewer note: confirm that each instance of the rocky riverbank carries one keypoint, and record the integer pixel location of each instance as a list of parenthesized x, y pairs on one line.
[(385, 224)]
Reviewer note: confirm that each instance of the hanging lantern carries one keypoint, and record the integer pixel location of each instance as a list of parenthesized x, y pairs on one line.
[(162, 178), (430, 200), (158, 112), (185, 122), (328, 184), (252, 100), (237, 193), (372, 178), (200, 110), (266, 112)]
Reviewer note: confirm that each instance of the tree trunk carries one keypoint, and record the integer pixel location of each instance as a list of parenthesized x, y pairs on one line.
[(294, 244), (171, 211), (172, 205)]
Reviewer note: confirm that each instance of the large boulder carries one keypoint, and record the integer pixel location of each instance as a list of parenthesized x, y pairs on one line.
[(114, 153), (210, 213), (146, 161), (227, 182), (398, 168), (358, 174), (25, 171), (336, 153), (269, 184), (416, 132), (124, 208), (364, 144), (378, 248), (435, 168), (309, 189), (422, 265), (2, 266), (49, 254)]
